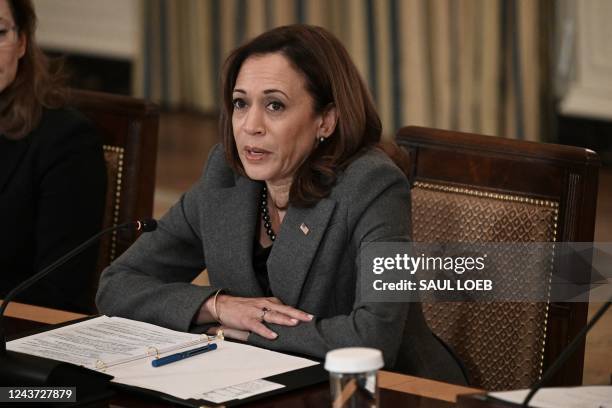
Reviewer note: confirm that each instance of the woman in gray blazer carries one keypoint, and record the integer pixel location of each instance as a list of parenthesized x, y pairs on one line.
[(284, 205)]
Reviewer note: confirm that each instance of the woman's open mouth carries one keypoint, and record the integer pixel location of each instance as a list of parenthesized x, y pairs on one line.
[(255, 153)]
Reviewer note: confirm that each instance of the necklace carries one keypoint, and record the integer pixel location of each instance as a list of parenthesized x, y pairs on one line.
[(265, 215)]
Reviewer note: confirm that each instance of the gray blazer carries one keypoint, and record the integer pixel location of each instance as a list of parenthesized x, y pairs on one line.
[(213, 226)]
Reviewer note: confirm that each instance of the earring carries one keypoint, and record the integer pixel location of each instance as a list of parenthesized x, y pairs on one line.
[(321, 139)]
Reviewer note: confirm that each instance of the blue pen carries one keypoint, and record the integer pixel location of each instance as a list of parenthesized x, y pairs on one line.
[(183, 355)]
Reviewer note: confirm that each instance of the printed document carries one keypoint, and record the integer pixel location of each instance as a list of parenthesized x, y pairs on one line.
[(124, 348), (103, 341)]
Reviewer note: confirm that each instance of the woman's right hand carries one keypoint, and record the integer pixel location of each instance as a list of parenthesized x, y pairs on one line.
[(250, 314)]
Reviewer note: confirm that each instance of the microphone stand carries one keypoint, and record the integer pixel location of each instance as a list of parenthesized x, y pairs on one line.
[(566, 353), (20, 369)]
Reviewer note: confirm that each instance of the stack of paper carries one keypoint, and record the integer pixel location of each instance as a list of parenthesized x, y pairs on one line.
[(125, 348)]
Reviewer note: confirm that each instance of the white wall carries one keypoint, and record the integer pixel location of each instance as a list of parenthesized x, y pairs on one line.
[(110, 28)]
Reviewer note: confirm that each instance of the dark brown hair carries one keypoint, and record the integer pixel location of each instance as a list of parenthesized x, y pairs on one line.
[(36, 85), (331, 78)]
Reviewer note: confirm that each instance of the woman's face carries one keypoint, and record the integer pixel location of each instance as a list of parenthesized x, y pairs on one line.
[(12, 47), (274, 123)]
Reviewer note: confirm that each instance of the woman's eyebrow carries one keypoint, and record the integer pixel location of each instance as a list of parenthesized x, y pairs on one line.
[(266, 92), (269, 91)]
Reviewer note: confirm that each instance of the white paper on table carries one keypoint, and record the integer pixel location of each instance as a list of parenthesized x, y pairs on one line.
[(596, 396), (231, 364), (239, 391), (109, 340), (123, 345)]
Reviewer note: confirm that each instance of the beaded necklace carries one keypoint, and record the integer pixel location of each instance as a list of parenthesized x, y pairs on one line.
[(265, 215)]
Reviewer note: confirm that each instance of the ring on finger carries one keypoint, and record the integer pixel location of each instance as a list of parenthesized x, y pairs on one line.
[(263, 313)]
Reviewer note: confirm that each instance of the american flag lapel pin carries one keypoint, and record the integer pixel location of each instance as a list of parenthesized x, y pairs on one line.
[(304, 228)]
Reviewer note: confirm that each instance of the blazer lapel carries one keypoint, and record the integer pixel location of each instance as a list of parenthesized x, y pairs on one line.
[(296, 245), (11, 154), (232, 216)]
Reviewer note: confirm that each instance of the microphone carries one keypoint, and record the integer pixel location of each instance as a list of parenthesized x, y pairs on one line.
[(565, 354), (23, 369)]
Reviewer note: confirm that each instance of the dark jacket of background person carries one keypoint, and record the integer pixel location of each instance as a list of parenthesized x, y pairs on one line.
[(214, 225), (52, 196)]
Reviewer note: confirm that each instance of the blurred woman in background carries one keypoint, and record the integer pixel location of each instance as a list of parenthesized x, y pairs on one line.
[(52, 171)]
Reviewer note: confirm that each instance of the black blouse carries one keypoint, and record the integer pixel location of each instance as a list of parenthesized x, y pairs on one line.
[(260, 257), (52, 195)]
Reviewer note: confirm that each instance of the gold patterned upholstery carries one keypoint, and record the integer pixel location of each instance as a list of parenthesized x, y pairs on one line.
[(113, 156), (500, 344)]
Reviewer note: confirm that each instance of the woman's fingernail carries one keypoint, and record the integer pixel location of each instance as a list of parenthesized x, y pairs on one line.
[(310, 317), (274, 335), (294, 321)]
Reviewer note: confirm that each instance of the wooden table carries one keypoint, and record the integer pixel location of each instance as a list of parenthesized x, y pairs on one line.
[(395, 389)]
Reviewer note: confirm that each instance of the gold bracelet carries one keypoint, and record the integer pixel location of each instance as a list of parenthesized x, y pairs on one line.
[(215, 314)]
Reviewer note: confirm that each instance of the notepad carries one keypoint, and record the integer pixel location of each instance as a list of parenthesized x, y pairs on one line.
[(124, 349)]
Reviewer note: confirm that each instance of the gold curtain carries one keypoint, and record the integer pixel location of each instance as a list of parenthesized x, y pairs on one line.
[(471, 65)]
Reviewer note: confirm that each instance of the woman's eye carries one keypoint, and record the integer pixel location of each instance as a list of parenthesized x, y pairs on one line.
[(275, 106), (238, 103)]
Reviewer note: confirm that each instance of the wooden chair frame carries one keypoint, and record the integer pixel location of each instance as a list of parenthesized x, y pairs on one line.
[(129, 130), (561, 174)]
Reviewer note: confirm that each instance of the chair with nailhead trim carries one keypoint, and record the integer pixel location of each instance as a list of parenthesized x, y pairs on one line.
[(476, 188), (129, 130)]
